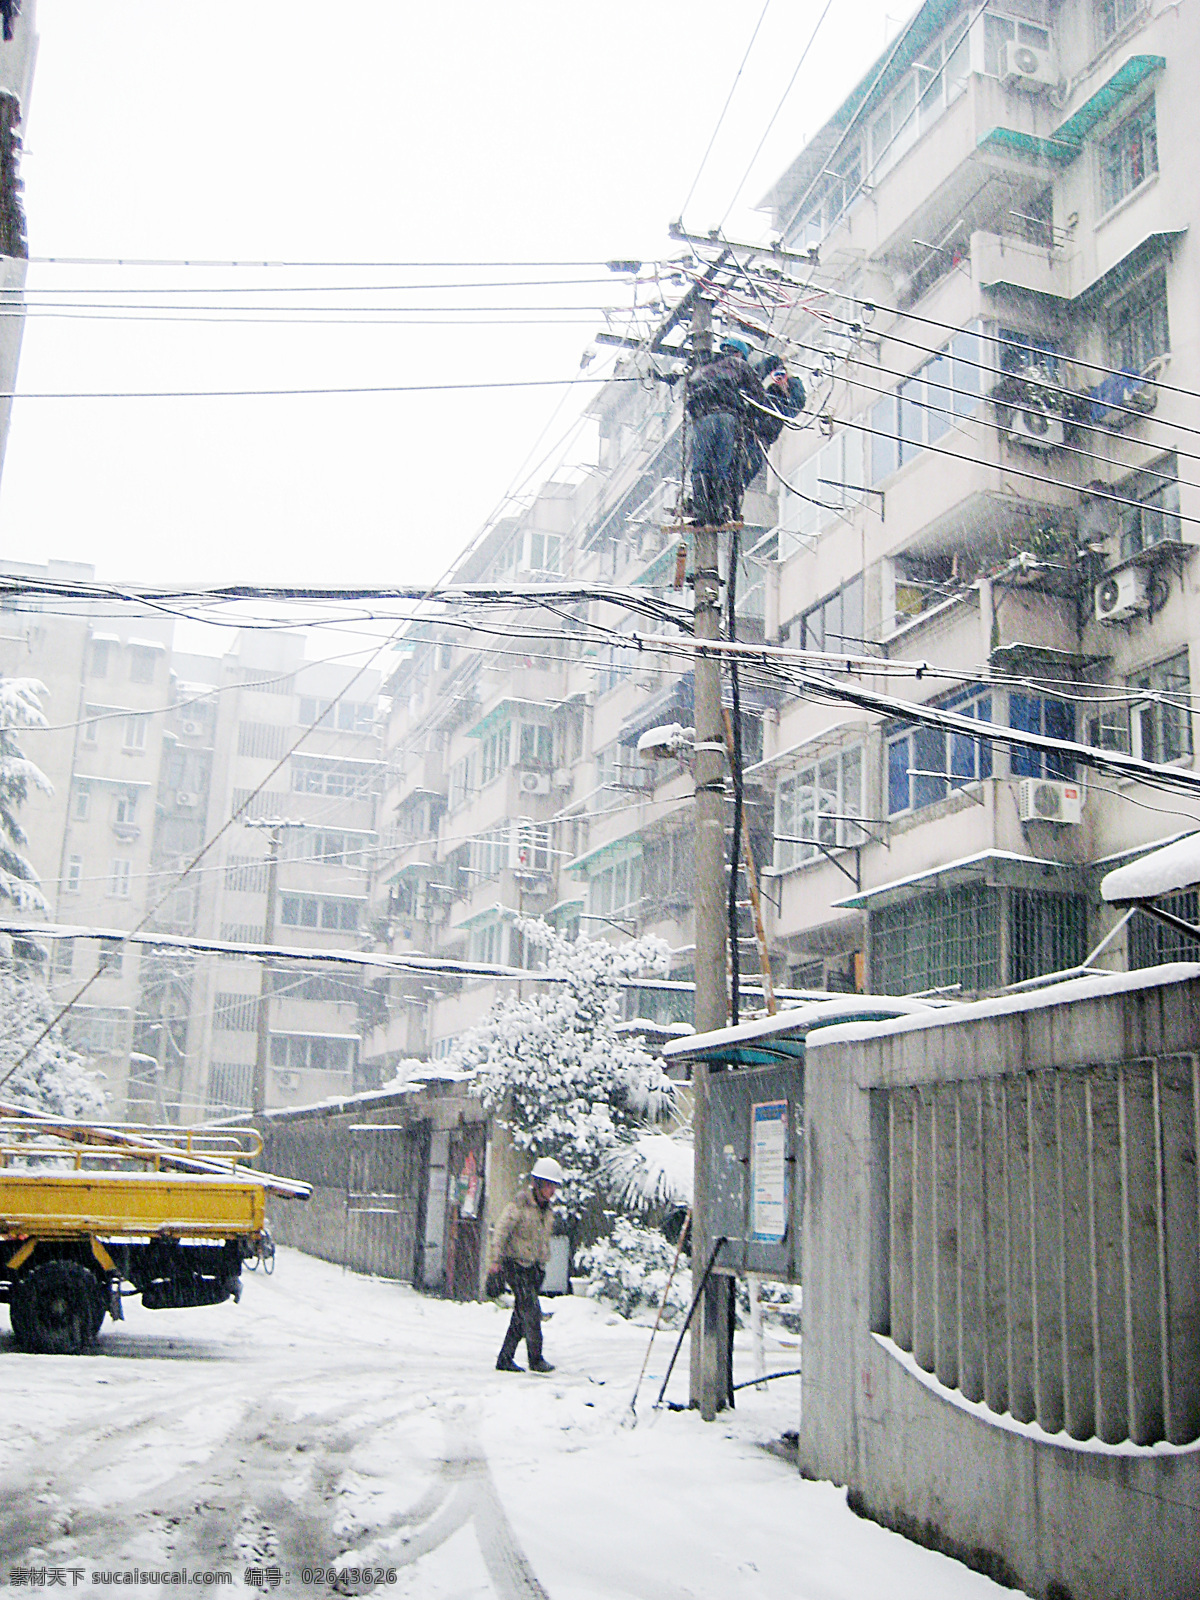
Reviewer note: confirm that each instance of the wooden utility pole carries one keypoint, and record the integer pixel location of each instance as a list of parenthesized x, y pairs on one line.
[(710, 1331), (262, 1041)]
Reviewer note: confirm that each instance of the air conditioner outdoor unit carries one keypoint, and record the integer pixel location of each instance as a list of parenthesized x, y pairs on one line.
[(533, 782), (1122, 595), (1045, 800), (287, 1080), (1029, 68), (186, 799), (562, 778), (191, 729), (1036, 428)]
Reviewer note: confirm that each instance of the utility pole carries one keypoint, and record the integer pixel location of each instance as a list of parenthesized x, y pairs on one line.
[(710, 1331), (262, 1041)]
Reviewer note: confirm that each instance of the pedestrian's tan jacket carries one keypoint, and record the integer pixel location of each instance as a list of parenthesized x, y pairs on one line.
[(523, 1232)]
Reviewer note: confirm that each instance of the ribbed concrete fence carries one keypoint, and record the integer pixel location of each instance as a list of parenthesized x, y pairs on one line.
[(1044, 1244)]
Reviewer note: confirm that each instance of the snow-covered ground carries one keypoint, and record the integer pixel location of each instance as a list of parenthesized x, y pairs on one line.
[(335, 1420)]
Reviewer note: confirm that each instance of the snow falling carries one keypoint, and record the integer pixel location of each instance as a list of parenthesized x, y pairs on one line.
[(337, 1422)]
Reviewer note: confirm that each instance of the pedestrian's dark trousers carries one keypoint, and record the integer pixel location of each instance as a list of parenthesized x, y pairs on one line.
[(716, 469), (526, 1320)]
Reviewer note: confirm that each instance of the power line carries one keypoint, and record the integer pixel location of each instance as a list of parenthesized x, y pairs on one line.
[(235, 394), (728, 98), (775, 114)]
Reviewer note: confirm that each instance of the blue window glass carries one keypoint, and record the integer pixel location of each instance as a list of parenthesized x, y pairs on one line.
[(899, 796)]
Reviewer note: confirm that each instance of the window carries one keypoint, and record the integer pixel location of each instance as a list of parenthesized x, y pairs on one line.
[(292, 1052), (616, 888), (64, 960), (489, 853), (835, 624), (82, 808), (1151, 943), (934, 941), (1161, 729), (1055, 719), (1156, 516), (125, 810), (537, 745), (263, 741), (326, 912), (235, 1013), (532, 846), (90, 733), (1137, 327), (923, 408), (460, 783), (1113, 15), (350, 716), (493, 754), (98, 665), (135, 733), (545, 552), (487, 944), (347, 779), (669, 870), (335, 849), (925, 764), (817, 803), (142, 662), (120, 876), (109, 957), (619, 776), (1128, 156), (246, 875), (74, 878)]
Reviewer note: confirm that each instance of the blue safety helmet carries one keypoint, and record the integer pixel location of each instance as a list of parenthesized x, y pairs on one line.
[(737, 347)]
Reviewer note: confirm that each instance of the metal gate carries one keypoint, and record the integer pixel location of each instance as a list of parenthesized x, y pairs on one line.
[(384, 1198)]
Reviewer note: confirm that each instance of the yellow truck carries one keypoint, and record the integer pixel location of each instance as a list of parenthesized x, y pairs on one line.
[(91, 1214)]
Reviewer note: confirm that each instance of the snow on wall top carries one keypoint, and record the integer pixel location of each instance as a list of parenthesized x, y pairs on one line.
[(1006, 1004), (1176, 866), (796, 1019)]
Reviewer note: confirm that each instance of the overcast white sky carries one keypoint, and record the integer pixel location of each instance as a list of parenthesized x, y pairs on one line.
[(367, 131)]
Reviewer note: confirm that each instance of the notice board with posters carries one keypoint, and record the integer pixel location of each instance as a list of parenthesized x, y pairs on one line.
[(756, 1171)]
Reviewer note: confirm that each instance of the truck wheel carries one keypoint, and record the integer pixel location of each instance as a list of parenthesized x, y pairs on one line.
[(56, 1308)]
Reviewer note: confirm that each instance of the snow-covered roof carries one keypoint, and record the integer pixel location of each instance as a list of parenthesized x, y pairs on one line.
[(1176, 866), (964, 868), (797, 1021), (1072, 989)]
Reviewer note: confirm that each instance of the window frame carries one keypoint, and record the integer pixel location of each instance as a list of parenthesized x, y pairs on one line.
[(915, 744), (1117, 144)]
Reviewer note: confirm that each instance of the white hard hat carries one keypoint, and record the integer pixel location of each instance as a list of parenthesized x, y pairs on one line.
[(547, 1168)]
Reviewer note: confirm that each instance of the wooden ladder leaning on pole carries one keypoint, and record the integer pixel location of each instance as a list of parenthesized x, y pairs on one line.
[(760, 932)]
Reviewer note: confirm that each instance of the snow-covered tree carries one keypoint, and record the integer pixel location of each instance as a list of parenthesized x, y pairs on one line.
[(19, 708), (55, 1079), (555, 1070)]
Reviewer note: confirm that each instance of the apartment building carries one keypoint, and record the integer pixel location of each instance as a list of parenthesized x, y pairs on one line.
[(107, 679), (985, 281), (294, 742), (1000, 212)]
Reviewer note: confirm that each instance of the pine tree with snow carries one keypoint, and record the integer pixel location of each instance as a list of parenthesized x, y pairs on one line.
[(556, 1072), (55, 1079), (19, 708)]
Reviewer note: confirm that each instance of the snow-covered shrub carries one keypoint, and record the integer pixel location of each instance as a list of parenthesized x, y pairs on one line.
[(629, 1270), (554, 1070)]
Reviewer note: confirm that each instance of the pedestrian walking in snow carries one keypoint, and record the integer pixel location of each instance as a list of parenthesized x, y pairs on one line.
[(520, 1251)]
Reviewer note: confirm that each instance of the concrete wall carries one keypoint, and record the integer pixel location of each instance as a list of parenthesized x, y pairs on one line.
[(376, 1196), (1037, 1508)]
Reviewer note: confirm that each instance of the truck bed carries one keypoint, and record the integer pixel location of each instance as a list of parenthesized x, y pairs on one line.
[(116, 1205)]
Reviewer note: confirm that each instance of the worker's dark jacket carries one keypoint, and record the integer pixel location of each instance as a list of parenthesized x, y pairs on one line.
[(781, 405), (723, 384)]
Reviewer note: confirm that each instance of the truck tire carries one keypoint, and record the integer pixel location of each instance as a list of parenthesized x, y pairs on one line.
[(56, 1308)]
